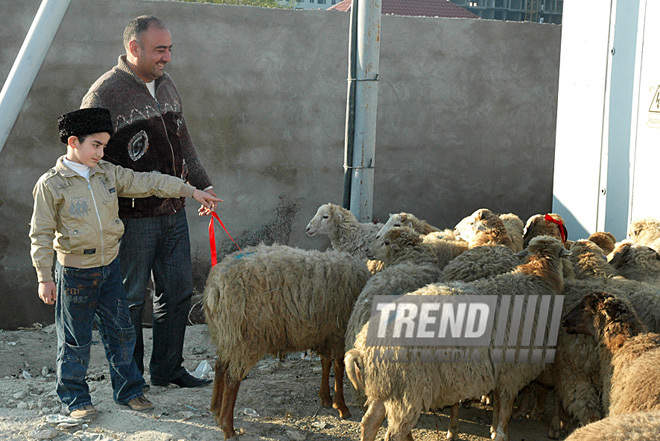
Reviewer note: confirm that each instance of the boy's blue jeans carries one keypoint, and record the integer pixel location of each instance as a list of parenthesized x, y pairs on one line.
[(85, 296)]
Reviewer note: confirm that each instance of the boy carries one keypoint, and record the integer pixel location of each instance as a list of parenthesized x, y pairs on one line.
[(76, 216)]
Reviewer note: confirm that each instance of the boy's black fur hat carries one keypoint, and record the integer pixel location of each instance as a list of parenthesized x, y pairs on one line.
[(84, 122)]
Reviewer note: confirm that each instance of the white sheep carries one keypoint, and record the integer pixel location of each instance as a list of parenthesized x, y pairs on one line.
[(638, 426), (516, 228), (270, 299), (629, 355), (401, 391), (645, 231), (344, 230), (480, 263), (636, 262), (404, 219), (483, 227)]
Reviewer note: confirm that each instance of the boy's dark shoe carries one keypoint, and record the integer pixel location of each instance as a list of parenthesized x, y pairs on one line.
[(84, 413), (140, 404), (185, 380)]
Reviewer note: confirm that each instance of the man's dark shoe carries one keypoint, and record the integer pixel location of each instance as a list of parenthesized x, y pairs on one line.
[(185, 380)]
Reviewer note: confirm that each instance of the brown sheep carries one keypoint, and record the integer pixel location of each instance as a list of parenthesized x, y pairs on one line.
[(629, 356)]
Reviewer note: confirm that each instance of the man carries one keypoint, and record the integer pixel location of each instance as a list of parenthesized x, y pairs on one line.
[(151, 135)]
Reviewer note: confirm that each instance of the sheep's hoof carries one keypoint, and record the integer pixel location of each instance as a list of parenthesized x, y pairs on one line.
[(344, 413)]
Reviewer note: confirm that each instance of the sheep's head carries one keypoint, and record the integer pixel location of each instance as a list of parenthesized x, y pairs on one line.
[(544, 245), (605, 240), (628, 258), (480, 221), (640, 226), (392, 243), (395, 220), (550, 224), (586, 249), (320, 223), (596, 312)]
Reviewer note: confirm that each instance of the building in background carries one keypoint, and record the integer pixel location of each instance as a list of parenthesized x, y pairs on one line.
[(418, 8), (538, 11)]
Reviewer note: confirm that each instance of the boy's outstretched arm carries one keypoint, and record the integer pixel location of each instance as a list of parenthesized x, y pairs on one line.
[(48, 292)]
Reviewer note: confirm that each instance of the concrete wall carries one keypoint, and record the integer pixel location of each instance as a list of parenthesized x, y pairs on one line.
[(466, 118)]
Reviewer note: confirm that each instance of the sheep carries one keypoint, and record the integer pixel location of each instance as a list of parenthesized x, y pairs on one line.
[(516, 228), (404, 219), (483, 227), (410, 264), (270, 299), (550, 224), (629, 355), (638, 426), (446, 248), (589, 261), (636, 262), (645, 231), (401, 391), (576, 368), (345, 232), (479, 263), (605, 240)]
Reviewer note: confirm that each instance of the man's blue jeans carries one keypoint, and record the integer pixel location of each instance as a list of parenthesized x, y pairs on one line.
[(85, 296), (159, 244)]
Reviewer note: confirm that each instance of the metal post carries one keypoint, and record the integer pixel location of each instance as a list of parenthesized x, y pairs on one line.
[(366, 99), (27, 64)]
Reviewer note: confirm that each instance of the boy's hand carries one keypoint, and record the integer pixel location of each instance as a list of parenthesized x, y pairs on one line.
[(48, 292), (208, 200)]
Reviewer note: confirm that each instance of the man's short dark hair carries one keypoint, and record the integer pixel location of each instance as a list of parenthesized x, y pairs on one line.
[(140, 24)]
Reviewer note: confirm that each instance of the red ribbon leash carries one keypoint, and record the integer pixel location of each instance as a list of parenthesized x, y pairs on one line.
[(560, 224), (214, 254)]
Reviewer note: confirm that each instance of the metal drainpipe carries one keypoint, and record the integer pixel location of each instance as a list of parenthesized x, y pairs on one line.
[(366, 99), (349, 137), (28, 61)]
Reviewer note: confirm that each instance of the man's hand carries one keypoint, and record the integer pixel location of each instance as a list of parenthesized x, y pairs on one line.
[(48, 292), (208, 199)]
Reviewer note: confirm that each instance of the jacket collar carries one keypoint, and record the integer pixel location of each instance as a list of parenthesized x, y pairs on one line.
[(68, 173)]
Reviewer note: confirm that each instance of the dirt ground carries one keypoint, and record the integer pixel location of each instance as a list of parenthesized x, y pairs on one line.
[(277, 401)]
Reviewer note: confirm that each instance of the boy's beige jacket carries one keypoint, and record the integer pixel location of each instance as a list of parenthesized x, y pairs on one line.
[(79, 218)]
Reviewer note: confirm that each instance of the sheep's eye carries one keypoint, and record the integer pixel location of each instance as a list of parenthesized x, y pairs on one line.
[(387, 243), (397, 224), (325, 216)]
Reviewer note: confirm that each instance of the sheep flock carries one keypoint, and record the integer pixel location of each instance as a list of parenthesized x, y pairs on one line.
[(595, 301)]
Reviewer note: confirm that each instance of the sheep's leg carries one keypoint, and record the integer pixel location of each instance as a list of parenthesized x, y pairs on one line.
[(401, 420), (556, 425), (495, 400), (324, 393), (452, 433), (539, 404), (229, 394), (523, 404), (372, 420), (505, 405), (218, 388), (339, 403)]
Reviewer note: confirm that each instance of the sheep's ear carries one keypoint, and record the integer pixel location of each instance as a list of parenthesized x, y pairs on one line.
[(482, 215), (395, 246), (618, 253), (564, 252), (523, 253)]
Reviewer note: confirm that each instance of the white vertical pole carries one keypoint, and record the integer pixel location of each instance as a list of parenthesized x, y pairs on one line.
[(366, 100), (28, 62)]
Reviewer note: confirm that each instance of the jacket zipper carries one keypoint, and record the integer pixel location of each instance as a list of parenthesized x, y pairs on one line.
[(160, 114), (98, 216)]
